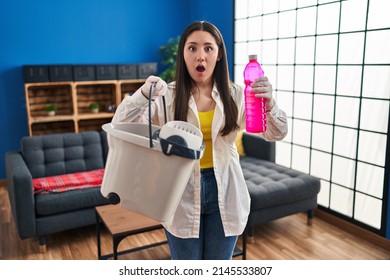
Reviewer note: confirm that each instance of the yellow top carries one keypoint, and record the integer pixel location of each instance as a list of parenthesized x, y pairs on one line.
[(206, 120)]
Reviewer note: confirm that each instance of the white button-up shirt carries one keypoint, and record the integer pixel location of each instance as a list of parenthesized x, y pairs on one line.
[(233, 195)]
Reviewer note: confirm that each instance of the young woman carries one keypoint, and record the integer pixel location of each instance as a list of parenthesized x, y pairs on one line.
[(215, 205)]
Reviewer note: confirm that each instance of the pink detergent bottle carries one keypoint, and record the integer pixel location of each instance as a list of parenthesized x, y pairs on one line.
[(255, 111)]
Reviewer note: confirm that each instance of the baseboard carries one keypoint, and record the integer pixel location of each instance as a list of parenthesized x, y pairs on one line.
[(353, 229)]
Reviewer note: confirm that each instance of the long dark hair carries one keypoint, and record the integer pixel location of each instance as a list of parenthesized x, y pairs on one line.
[(184, 82)]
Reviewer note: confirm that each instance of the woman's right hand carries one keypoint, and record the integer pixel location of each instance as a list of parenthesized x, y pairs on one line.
[(159, 87)]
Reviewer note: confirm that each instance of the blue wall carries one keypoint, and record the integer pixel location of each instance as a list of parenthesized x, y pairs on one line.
[(88, 31)]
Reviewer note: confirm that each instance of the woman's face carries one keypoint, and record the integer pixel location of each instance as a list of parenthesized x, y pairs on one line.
[(200, 55)]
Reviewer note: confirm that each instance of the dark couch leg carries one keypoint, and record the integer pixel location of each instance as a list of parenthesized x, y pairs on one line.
[(244, 242), (42, 244), (250, 235), (310, 216)]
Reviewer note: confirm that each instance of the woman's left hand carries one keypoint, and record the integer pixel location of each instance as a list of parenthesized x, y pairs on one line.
[(263, 89)]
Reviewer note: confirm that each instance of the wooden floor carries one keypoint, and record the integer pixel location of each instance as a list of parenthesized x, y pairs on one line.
[(284, 239)]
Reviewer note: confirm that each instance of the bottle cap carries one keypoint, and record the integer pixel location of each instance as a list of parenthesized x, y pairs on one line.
[(253, 57)]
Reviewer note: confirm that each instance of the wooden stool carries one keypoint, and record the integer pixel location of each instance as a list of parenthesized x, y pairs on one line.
[(122, 223)]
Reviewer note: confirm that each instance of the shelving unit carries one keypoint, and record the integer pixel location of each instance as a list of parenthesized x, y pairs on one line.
[(72, 100)]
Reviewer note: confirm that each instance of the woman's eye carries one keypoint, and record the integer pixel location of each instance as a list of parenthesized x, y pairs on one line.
[(208, 49), (191, 49)]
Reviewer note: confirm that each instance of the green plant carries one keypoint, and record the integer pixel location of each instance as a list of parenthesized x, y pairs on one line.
[(50, 107), (168, 53), (94, 106)]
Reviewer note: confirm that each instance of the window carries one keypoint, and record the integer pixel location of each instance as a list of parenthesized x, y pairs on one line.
[(329, 65)]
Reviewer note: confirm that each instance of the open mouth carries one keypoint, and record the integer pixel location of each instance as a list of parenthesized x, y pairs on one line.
[(200, 68)]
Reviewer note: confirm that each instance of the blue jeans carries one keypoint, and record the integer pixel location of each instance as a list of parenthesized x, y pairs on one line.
[(212, 243)]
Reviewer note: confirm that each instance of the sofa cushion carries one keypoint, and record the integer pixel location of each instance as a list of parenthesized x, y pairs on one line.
[(58, 203), (57, 154), (66, 182), (270, 184)]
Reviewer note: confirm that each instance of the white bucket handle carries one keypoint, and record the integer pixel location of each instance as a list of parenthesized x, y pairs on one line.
[(170, 146)]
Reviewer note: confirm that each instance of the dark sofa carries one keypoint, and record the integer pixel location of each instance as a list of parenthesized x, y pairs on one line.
[(50, 155), (275, 191)]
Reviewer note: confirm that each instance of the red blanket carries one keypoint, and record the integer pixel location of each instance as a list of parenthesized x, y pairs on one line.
[(66, 182)]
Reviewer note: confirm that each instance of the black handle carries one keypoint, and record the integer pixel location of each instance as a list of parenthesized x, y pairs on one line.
[(150, 113), (113, 198)]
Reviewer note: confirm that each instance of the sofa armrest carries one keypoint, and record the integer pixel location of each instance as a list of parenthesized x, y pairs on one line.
[(257, 147), (103, 138), (20, 191)]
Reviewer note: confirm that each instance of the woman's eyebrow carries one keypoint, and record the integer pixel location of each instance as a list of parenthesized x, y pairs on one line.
[(204, 44), (195, 43)]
